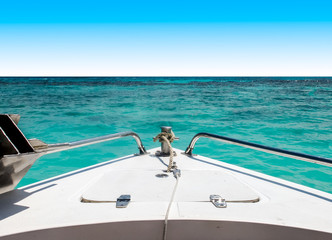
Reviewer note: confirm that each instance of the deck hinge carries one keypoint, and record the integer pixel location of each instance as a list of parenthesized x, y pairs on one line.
[(218, 201)]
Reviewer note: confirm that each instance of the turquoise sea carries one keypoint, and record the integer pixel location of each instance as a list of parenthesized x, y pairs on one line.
[(290, 113)]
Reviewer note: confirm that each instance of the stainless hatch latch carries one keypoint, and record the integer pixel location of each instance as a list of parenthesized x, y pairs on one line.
[(218, 201), (123, 201)]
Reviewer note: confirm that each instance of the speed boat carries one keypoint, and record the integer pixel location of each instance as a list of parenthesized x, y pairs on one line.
[(161, 193)]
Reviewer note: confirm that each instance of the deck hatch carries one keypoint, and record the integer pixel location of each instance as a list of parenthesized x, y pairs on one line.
[(144, 186), (198, 189)]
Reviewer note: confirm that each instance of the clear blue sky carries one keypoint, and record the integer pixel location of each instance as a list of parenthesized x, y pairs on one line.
[(166, 37)]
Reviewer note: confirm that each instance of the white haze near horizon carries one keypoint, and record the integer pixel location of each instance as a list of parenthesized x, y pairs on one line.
[(232, 49)]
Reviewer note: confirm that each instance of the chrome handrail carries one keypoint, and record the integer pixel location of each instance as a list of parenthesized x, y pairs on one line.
[(15, 166), (259, 147), (58, 147)]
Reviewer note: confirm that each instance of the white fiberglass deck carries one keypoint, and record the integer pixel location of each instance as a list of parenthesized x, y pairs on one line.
[(258, 206)]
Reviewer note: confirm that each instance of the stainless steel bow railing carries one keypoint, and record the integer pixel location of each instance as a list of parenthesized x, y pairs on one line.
[(51, 148), (259, 147), (16, 157)]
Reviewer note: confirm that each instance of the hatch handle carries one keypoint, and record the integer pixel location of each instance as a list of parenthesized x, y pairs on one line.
[(218, 201), (123, 201)]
